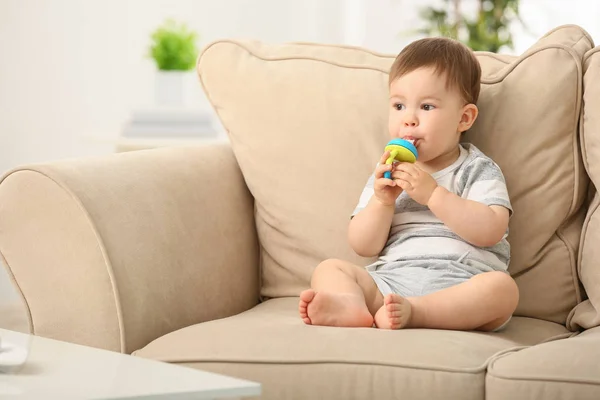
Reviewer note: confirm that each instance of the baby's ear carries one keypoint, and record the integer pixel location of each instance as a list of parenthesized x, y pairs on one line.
[(468, 117)]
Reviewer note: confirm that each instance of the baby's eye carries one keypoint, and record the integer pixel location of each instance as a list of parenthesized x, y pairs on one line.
[(399, 106), (427, 107)]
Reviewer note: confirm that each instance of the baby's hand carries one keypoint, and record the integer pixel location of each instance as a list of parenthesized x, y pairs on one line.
[(386, 190), (418, 184)]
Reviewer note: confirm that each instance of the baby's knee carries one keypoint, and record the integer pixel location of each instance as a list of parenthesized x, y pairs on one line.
[(327, 265), (506, 286)]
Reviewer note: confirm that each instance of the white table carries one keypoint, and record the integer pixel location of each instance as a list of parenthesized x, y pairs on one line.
[(60, 370)]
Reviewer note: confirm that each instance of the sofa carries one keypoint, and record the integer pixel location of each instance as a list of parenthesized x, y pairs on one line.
[(196, 255)]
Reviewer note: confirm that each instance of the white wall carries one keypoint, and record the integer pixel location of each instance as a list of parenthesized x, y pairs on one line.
[(70, 69), (74, 68)]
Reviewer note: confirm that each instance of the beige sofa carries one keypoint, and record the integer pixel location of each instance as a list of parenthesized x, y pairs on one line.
[(196, 255)]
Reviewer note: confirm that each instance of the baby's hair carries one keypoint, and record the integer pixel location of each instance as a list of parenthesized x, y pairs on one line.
[(448, 57)]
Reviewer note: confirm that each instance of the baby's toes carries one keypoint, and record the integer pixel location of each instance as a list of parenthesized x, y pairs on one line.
[(392, 299), (394, 307), (302, 307), (388, 299), (396, 313)]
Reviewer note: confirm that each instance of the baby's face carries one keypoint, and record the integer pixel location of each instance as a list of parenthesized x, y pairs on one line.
[(422, 109)]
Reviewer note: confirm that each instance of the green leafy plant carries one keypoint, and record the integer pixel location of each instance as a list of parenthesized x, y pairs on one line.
[(489, 30), (174, 47)]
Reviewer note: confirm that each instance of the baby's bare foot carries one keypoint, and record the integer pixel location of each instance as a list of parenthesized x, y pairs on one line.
[(394, 313), (334, 309), (305, 298)]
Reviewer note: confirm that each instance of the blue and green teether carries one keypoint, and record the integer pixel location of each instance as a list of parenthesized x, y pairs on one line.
[(400, 150)]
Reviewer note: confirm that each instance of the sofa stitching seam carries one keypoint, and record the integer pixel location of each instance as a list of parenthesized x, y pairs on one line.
[(289, 58), (540, 379), (469, 371)]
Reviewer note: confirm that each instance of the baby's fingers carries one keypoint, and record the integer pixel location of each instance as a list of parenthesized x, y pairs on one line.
[(384, 157), (401, 175), (381, 169), (383, 182)]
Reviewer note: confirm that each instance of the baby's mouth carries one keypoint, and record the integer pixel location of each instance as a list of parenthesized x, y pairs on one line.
[(414, 141)]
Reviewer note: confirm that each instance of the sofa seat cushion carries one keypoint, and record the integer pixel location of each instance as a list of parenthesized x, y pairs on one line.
[(561, 370), (270, 344)]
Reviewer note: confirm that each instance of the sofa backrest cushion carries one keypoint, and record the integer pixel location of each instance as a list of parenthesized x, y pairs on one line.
[(587, 314)]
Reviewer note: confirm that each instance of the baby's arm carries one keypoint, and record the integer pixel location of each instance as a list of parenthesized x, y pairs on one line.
[(369, 229), (475, 222)]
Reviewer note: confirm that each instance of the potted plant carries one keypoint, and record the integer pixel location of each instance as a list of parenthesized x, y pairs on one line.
[(488, 30), (174, 50)]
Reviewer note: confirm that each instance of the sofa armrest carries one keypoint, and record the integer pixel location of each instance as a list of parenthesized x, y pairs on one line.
[(556, 370), (116, 251)]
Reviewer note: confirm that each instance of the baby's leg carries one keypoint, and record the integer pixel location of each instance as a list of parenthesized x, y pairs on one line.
[(484, 302), (342, 294)]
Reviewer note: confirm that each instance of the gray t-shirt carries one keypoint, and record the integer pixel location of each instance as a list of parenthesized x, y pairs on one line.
[(417, 234)]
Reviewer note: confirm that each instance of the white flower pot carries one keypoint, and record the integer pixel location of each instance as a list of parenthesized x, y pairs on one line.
[(170, 88)]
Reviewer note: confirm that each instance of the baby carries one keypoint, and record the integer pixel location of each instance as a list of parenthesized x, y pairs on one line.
[(439, 226)]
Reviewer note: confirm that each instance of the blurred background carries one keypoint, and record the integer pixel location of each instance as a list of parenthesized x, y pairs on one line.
[(74, 72)]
